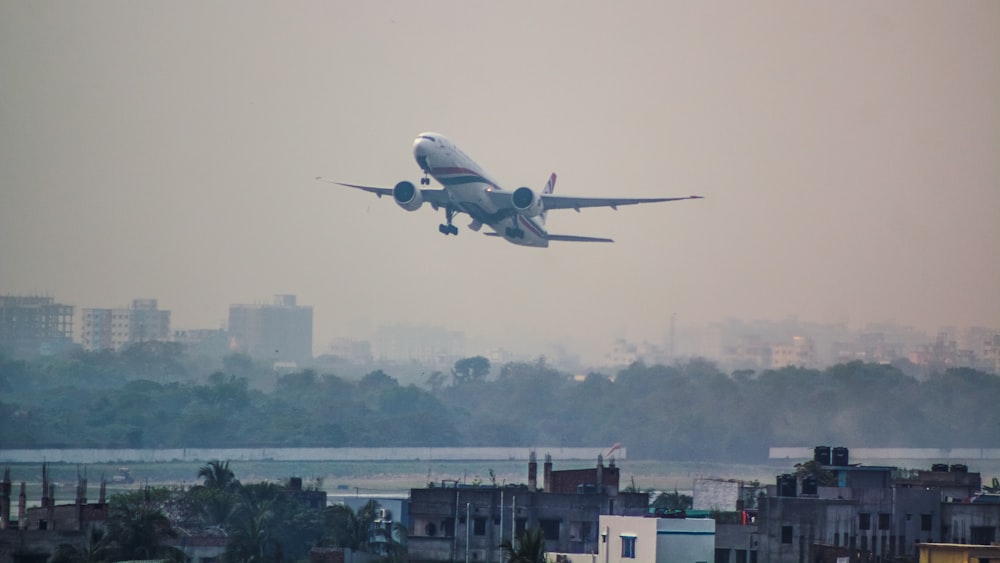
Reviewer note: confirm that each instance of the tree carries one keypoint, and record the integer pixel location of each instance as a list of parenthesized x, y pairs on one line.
[(529, 547), (471, 369), (97, 549), (218, 476), (669, 502), (813, 468), (349, 528), (250, 539), (137, 526)]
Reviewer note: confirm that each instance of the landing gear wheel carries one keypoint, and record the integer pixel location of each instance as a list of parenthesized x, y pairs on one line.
[(447, 228), (425, 181)]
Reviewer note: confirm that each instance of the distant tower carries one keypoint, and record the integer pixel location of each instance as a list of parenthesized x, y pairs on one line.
[(46, 500), (547, 469), (532, 472), (600, 473)]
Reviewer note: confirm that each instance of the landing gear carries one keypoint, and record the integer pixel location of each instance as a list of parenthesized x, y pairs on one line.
[(425, 181), (447, 228), (513, 231)]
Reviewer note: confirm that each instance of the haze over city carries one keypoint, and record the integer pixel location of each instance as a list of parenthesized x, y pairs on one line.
[(848, 154)]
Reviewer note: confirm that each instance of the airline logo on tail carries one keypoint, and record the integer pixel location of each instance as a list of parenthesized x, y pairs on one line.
[(550, 186)]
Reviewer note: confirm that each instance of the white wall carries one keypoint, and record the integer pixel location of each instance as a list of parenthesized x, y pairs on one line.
[(658, 540)]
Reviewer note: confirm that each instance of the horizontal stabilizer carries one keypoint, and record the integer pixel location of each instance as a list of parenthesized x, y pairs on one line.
[(564, 238), (574, 238)]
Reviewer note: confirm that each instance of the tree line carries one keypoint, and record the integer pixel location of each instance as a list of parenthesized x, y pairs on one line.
[(260, 522), (152, 398)]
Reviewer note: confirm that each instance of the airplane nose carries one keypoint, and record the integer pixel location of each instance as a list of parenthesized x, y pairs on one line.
[(422, 146)]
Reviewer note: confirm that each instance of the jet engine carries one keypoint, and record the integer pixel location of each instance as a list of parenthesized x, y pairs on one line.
[(527, 202), (407, 196)]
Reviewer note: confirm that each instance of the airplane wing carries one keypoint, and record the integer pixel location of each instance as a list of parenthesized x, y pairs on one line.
[(550, 201), (434, 197)]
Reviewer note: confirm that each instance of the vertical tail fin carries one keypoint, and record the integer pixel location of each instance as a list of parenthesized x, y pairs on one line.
[(550, 186)]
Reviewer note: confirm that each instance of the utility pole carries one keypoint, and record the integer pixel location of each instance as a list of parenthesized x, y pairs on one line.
[(468, 528)]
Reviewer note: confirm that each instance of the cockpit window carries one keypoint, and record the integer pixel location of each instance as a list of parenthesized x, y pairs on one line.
[(429, 138)]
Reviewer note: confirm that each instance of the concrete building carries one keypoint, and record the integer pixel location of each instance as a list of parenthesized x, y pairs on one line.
[(628, 539), (452, 520), (800, 352), (873, 513), (116, 329), (38, 531), (281, 331), (32, 326)]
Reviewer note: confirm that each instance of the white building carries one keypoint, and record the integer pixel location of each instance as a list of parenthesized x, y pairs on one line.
[(115, 329), (635, 539)]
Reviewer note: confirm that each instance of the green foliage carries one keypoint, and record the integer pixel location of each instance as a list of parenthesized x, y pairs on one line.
[(529, 547), (148, 397), (471, 369), (348, 528), (138, 526), (666, 502), (218, 476), (823, 477)]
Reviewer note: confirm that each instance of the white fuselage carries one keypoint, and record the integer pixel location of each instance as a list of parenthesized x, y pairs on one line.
[(469, 186)]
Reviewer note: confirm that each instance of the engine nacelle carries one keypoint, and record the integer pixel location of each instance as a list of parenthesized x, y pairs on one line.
[(527, 202), (407, 196)]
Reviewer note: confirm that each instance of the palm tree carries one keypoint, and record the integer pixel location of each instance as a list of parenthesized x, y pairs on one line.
[(530, 547), (218, 476), (349, 528), (250, 539), (137, 526)]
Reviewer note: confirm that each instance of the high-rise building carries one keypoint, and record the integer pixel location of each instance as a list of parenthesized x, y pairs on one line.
[(280, 331), (34, 325), (114, 329)]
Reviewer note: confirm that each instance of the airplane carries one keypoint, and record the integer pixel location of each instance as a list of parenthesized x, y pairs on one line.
[(516, 216)]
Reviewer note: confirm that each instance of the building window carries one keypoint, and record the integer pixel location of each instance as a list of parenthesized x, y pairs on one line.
[(550, 528), (864, 521), (628, 547), (926, 522), (786, 534), (479, 526), (884, 521), (981, 535)]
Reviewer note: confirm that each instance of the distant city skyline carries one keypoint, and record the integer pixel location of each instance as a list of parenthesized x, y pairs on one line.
[(273, 328), (847, 153)]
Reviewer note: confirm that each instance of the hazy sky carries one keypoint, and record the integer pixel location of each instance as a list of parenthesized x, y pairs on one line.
[(849, 153)]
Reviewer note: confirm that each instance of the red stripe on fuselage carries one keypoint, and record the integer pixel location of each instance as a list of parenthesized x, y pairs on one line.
[(454, 170), (531, 227)]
